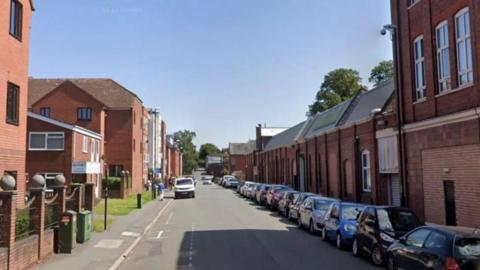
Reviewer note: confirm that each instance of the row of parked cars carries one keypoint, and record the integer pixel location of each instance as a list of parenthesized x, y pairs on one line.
[(390, 236)]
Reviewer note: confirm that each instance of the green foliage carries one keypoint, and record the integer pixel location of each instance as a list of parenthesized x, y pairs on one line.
[(184, 141), (381, 73), (121, 207), (338, 85), (207, 149), (113, 183), (22, 223)]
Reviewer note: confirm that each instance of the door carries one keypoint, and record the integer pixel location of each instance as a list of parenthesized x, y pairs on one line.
[(394, 190), (450, 209), (301, 165), (370, 227), (412, 252)]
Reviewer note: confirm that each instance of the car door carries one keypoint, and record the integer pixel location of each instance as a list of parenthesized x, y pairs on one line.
[(329, 217), (409, 256), (370, 229), (435, 249), (302, 212)]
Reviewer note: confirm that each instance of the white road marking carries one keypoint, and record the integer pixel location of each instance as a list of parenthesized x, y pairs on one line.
[(109, 243), (169, 218), (159, 234), (131, 234)]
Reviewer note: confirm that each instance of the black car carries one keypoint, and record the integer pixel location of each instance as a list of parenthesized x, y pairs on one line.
[(435, 248), (378, 227)]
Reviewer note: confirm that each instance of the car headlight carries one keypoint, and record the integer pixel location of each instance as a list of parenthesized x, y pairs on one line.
[(349, 228), (387, 238)]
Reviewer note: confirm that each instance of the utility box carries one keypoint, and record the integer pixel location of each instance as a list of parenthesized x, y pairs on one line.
[(67, 232), (84, 226)]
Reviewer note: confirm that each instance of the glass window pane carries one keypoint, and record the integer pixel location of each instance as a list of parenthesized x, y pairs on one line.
[(37, 141), (54, 143)]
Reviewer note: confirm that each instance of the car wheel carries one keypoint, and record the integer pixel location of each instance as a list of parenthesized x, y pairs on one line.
[(339, 241), (356, 249), (193, 195), (311, 229), (391, 264), (299, 222), (377, 257), (323, 234)]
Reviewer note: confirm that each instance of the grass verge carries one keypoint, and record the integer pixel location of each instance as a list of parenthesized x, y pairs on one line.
[(98, 224), (119, 207)]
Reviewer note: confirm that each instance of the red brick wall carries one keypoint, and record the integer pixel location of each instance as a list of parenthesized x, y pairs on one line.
[(422, 19), (137, 171), (47, 245), (25, 253), (238, 163), (3, 258), (460, 164), (14, 57), (118, 138)]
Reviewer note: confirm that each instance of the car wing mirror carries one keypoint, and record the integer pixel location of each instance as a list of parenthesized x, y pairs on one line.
[(402, 239)]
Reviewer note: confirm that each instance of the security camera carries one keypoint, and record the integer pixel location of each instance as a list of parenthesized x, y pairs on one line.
[(383, 32)]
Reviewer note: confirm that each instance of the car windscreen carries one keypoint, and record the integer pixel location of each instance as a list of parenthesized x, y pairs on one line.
[(320, 204), (351, 212), (394, 220), (183, 182)]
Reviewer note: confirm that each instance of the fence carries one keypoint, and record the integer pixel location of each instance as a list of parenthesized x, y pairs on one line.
[(51, 210), (23, 222)]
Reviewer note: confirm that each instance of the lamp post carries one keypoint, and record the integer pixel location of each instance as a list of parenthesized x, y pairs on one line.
[(105, 189), (394, 35)]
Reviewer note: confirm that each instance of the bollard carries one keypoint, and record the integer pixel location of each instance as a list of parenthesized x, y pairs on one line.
[(139, 200)]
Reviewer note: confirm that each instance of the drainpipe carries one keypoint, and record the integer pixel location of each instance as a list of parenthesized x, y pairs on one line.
[(356, 143)]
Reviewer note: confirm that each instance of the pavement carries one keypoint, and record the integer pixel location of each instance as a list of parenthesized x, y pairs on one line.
[(105, 249), (220, 230)]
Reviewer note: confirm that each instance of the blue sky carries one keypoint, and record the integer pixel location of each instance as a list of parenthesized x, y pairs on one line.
[(217, 67)]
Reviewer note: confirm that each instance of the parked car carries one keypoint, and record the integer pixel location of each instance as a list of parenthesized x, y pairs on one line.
[(312, 211), (289, 196), (252, 190), (225, 178), (231, 183), (378, 227), (340, 223), (273, 196), (207, 179), (435, 248), (261, 195), (184, 187), (293, 212), (245, 187)]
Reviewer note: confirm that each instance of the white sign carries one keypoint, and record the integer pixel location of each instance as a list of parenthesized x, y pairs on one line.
[(85, 167)]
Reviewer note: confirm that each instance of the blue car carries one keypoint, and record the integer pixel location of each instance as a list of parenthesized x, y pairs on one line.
[(340, 223)]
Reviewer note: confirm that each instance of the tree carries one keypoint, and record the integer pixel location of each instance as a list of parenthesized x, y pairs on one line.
[(381, 73), (184, 141), (338, 85), (207, 149)]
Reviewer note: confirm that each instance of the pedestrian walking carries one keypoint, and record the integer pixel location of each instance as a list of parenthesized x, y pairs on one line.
[(161, 189)]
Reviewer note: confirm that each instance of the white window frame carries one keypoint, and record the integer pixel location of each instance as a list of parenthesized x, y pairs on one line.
[(444, 74), (419, 61), (467, 40), (85, 144), (366, 172), (46, 134)]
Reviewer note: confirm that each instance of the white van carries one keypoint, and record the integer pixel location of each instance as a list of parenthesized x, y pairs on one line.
[(184, 187)]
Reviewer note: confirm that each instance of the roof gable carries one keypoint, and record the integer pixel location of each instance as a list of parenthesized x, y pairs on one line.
[(285, 138), (62, 87), (74, 128)]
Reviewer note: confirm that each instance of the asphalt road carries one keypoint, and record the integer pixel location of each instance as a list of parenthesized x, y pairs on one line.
[(220, 230)]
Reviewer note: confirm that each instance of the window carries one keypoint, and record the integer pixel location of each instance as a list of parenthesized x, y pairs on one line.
[(418, 53), (84, 114), (12, 103), (412, 2), (464, 47), (443, 57), (16, 12), (49, 141), (45, 112), (50, 178), (115, 170), (437, 241), (417, 238), (85, 144), (366, 178)]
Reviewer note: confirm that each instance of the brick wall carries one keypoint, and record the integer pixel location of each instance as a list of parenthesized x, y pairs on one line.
[(14, 57), (48, 244), (25, 253), (460, 164), (3, 258)]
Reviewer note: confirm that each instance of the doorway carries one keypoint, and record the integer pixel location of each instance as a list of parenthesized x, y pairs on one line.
[(394, 190), (450, 209)]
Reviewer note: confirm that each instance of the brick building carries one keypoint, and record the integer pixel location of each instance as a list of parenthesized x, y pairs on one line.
[(238, 155), (174, 160), (440, 99), (15, 18), (333, 153), (54, 148), (104, 107)]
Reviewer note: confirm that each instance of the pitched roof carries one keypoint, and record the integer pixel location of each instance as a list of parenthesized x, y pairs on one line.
[(241, 148), (75, 128), (286, 137), (271, 131), (107, 91), (326, 120), (364, 103)]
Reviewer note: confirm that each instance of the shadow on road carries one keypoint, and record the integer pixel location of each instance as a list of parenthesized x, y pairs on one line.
[(262, 250)]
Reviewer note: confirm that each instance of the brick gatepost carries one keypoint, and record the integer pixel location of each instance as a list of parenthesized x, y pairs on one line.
[(9, 199), (37, 216)]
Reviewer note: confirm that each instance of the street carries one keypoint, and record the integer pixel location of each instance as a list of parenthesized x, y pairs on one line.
[(220, 230)]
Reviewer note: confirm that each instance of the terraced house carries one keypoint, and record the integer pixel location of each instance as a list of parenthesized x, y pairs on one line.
[(102, 106), (440, 95), (15, 19)]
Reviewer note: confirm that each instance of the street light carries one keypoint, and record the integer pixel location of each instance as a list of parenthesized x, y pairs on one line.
[(394, 36)]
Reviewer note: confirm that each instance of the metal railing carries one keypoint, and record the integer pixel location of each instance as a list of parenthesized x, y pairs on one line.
[(51, 210), (23, 222)]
